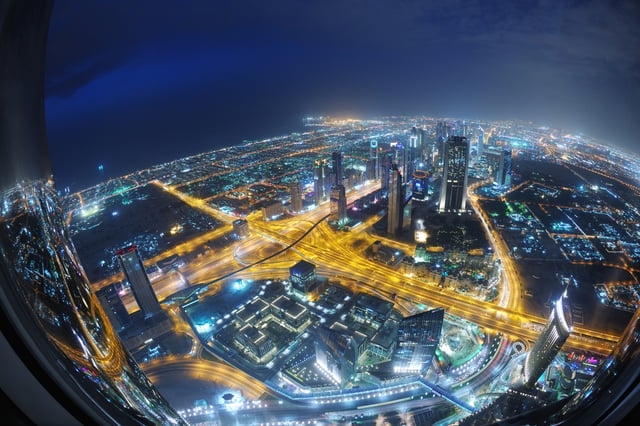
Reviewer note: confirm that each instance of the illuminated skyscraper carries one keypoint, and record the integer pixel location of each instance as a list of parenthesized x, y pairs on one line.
[(418, 337), (385, 169), (339, 204), (320, 176), (141, 288), (113, 307), (453, 193), (373, 157), (412, 152), (396, 200), (480, 144), (336, 171), (503, 176), (420, 185), (295, 191), (549, 342)]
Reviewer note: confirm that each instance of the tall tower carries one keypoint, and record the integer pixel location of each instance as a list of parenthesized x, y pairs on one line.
[(549, 342), (133, 269), (385, 168), (394, 216), (453, 194), (337, 168), (319, 186), (412, 152), (339, 204), (113, 307), (503, 177), (373, 155), (480, 145), (295, 191)]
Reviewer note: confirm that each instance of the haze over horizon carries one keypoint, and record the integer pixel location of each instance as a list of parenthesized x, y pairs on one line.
[(130, 85)]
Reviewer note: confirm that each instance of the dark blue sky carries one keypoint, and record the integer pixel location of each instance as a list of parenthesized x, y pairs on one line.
[(134, 83)]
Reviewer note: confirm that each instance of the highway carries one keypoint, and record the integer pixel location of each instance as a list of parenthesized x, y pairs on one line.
[(309, 236)]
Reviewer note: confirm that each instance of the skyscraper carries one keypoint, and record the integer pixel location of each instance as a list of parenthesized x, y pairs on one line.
[(113, 307), (453, 194), (385, 168), (320, 169), (373, 157), (412, 152), (549, 342), (480, 144), (394, 215), (418, 337), (339, 204), (133, 269), (337, 168), (503, 176), (295, 192), (420, 185)]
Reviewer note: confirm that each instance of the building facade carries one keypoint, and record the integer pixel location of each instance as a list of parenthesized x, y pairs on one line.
[(453, 193), (553, 336), (396, 201), (113, 307), (133, 269)]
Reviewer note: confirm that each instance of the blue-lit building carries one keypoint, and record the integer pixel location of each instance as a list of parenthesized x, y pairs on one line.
[(418, 337), (302, 276), (371, 310), (420, 185), (336, 354), (255, 340), (503, 174)]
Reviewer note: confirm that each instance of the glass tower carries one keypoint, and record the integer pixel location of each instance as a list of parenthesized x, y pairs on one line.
[(453, 194)]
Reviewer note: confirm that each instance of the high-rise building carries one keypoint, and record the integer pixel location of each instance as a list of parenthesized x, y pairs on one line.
[(133, 269), (420, 185), (418, 337), (295, 191), (337, 168), (480, 144), (503, 176), (407, 212), (385, 169), (611, 393), (373, 160), (453, 194), (411, 154), (396, 200), (113, 307), (339, 204), (320, 178), (549, 342)]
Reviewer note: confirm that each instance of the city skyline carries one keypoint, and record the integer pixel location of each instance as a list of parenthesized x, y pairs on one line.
[(375, 315), (281, 235), (139, 79)]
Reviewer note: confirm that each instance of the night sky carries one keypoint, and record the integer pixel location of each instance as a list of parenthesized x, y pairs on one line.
[(134, 83)]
